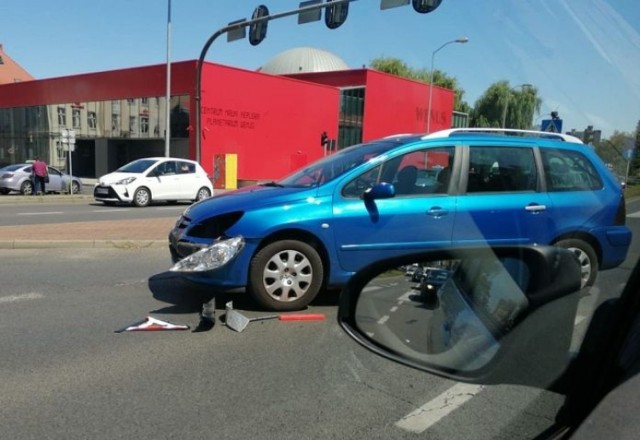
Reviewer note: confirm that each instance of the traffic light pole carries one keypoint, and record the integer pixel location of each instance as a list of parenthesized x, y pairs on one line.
[(234, 27)]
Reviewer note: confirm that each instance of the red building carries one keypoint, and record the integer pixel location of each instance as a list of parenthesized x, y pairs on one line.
[(271, 124)]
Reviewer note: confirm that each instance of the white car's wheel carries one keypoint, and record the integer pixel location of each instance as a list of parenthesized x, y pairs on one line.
[(203, 193), (142, 197)]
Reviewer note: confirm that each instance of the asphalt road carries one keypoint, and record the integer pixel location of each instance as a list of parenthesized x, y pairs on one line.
[(66, 374), (60, 209)]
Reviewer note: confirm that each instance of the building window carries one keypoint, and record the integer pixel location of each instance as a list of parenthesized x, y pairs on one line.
[(351, 116), (75, 118), (144, 124), (62, 116), (115, 122), (133, 124), (92, 120), (144, 100)]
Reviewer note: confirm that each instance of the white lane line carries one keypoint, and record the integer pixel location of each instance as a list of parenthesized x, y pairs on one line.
[(432, 412), (18, 298), (384, 319), (393, 309), (40, 213)]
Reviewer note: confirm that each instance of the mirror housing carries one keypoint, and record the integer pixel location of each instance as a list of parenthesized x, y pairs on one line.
[(505, 315), (382, 190)]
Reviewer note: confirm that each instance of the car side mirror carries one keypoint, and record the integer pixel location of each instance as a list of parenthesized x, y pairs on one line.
[(480, 315), (382, 190)]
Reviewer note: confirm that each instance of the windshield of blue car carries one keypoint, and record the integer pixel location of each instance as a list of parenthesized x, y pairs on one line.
[(336, 165)]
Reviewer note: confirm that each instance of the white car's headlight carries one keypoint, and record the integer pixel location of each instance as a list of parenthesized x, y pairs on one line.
[(212, 257), (126, 181)]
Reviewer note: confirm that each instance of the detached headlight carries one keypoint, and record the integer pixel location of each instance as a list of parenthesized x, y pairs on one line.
[(126, 181), (212, 257)]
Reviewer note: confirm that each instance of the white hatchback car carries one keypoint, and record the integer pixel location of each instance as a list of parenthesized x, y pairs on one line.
[(154, 179)]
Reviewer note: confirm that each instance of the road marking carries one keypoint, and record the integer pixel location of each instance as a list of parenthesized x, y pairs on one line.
[(18, 298), (40, 213), (384, 319), (432, 412)]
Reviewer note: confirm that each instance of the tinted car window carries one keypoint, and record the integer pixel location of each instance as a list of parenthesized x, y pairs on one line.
[(501, 169), (419, 172), (569, 171), (336, 165), (137, 166)]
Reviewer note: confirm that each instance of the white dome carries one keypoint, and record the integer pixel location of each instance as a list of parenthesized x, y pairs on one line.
[(303, 60)]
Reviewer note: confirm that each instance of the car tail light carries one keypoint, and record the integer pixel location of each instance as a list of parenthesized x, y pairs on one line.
[(621, 214)]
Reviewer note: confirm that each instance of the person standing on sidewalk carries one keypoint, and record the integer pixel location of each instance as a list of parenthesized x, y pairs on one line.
[(40, 173)]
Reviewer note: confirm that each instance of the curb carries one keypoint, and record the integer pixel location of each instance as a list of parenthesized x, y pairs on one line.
[(83, 244)]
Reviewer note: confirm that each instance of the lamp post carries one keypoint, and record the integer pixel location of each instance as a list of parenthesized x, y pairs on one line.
[(506, 103), (167, 114), (433, 54)]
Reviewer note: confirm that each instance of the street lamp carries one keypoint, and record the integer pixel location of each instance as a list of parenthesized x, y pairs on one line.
[(433, 54), (506, 103)]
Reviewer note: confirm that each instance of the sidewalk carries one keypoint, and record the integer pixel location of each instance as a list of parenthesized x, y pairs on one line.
[(95, 234)]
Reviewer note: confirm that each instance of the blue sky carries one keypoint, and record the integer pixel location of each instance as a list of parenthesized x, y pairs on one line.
[(582, 55)]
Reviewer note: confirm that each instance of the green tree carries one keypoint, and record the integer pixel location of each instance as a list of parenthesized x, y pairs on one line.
[(395, 66), (635, 163), (515, 105), (611, 151)]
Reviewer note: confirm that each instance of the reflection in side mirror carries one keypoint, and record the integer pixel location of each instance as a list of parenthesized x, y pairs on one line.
[(491, 315)]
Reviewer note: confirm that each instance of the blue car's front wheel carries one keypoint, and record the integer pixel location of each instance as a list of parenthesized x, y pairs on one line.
[(286, 275)]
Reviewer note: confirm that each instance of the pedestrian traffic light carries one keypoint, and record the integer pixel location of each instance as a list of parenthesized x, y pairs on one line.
[(258, 30), (335, 15), (324, 139)]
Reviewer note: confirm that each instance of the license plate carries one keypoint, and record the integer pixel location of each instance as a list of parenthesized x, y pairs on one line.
[(104, 191)]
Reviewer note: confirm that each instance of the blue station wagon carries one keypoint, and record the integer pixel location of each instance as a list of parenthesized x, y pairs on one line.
[(288, 240)]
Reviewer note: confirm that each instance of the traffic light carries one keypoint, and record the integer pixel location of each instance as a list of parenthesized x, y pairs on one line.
[(257, 31), (335, 15), (425, 6), (324, 139)]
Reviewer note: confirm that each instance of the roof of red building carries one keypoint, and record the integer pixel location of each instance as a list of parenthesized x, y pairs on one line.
[(10, 71)]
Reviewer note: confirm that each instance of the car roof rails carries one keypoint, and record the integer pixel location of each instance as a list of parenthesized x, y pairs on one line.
[(504, 132)]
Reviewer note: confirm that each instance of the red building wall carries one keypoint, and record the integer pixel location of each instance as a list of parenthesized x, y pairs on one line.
[(272, 123), (392, 104)]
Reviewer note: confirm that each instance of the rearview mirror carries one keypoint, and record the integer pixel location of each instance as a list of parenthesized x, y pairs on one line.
[(482, 315)]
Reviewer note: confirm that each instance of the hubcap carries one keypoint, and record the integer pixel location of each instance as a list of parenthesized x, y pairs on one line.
[(142, 197), (287, 275), (585, 265)]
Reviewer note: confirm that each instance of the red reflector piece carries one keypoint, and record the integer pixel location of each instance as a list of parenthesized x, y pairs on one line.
[(303, 317)]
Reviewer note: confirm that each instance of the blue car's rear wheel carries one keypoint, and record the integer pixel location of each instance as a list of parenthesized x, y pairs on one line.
[(586, 257), (285, 275)]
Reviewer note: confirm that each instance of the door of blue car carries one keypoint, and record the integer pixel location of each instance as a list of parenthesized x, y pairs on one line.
[(500, 200), (420, 215)]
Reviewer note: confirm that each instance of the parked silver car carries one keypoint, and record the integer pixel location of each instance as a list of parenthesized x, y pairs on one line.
[(17, 177)]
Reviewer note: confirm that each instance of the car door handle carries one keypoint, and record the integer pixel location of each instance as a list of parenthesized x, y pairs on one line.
[(437, 212), (535, 208)]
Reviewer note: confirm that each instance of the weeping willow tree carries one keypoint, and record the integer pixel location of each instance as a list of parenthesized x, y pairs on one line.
[(503, 105)]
